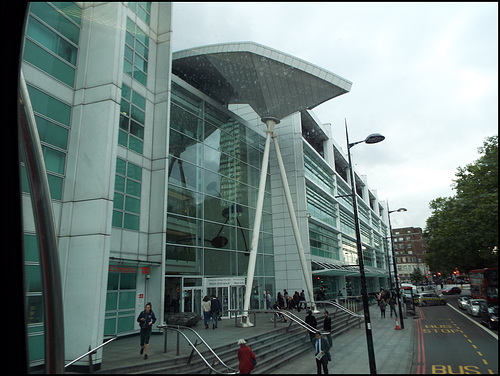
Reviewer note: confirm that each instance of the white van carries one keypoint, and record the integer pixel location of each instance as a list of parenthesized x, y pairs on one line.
[(406, 290)]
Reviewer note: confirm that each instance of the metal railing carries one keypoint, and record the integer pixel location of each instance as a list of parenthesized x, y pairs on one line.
[(340, 307), (179, 330), (41, 202), (90, 353)]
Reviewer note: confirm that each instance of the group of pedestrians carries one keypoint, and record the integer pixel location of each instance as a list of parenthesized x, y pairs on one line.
[(285, 301), (384, 299), (212, 309)]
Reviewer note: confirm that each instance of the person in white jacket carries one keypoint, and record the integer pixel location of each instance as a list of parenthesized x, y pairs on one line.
[(206, 306)]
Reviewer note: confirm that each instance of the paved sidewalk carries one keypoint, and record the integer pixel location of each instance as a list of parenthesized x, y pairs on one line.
[(393, 348)]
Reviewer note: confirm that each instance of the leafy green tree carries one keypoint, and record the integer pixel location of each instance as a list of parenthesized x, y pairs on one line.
[(417, 275), (462, 231)]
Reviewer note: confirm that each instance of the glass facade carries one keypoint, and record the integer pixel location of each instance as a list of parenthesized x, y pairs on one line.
[(213, 179)]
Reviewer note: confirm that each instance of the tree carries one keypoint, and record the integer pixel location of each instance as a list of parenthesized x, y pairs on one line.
[(417, 275), (462, 231)]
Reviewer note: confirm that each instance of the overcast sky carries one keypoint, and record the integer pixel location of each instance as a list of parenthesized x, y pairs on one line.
[(425, 75)]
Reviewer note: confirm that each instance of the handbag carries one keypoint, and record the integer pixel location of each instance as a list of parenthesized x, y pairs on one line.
[(254, 362)]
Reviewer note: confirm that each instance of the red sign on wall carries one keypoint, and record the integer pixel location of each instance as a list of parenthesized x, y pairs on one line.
[(145, 270)]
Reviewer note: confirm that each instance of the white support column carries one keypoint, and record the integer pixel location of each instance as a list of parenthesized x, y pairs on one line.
[(245, 322), (295, 226)]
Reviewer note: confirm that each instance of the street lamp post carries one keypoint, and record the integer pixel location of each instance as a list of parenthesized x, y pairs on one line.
[(394, 262), (371, 139)]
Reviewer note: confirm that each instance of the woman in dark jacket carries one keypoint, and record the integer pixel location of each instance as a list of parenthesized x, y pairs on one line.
[(146, 320)]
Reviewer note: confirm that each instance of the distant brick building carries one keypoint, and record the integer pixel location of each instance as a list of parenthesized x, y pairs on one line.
[(410, 248)]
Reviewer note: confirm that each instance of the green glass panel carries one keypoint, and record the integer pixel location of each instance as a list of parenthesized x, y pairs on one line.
[(52, 133), (55, 186), (33, 278), (119, 183), (51, 40), (118, 201), (127, 67), (36, 347), (140, 76), (54, 160), (132, 204), (110, 326), (128, 281), (112, 299), (49, 106), (71, 10), (126, 92), (126, 299), (122, 138), (138, 115), (56, 20), (131, 222), (124, 120), (47, 62), (135, 144), (34, 309), (134, 172), (125, 324), (139, 100), (117, 219), (113, 281), (133, 188), (141, 50), (121, 166), (30, 246), (137, 130)]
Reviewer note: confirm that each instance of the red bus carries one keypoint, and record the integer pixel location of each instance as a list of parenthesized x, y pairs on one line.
[(484, 284)]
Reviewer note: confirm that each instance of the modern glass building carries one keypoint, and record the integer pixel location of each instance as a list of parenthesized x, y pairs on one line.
[(154, 171)]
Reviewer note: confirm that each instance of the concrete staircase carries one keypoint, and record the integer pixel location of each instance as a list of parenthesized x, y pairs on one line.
[(272, 349)]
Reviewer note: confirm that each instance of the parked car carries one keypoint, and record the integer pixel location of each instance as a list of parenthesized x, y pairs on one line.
[(428, 298), (488, 312), (453, 290), (473, 307), (463, 302)]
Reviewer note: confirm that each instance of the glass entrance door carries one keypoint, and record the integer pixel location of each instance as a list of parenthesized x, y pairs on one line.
[(192, 300), (223, 294)]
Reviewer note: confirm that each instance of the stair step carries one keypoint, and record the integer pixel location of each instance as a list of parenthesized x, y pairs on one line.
[(272, 350)]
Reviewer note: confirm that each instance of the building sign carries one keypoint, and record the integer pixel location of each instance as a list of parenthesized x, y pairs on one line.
[(225, 282), (122, 269)]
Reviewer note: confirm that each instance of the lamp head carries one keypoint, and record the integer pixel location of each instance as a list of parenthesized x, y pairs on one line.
[(374, 138)]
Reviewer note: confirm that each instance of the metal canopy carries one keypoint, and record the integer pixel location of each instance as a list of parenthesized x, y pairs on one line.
[(273, 83), (324, 268)]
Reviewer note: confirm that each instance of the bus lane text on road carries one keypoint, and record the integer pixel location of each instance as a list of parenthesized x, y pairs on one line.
[(445, 348)]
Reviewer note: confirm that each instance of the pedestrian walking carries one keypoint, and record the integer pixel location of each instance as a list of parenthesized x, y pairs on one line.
[(296, 301), (205, 306), (246, 357), (311, 320), (382, 305), (327, 327), (146, 320), (215, 310), (268, 300), (302, 298), (322, 352), (286, 297), (392, 304)]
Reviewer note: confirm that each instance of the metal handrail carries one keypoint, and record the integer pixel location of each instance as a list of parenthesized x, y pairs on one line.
[(342, 308), (90, 352), (301, 322), (41, 202), (180, 328)]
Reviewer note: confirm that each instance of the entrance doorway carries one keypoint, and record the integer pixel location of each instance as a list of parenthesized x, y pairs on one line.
[(183, 294)]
